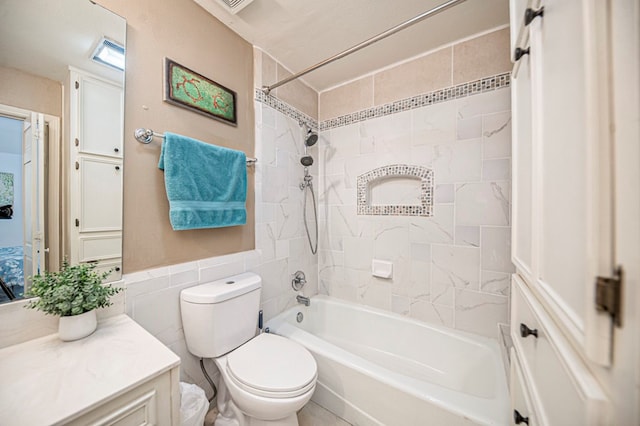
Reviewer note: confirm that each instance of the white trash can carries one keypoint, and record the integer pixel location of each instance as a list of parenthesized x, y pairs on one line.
[(193, 405)]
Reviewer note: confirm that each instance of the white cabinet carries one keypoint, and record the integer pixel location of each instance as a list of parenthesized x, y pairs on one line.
[(120, 375), (563, 207), (95, 196)]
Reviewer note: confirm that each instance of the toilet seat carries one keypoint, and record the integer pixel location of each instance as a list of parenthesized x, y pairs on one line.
[(272, 366)]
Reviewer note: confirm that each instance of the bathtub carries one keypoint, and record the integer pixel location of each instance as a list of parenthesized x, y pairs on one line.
[(379, 368)]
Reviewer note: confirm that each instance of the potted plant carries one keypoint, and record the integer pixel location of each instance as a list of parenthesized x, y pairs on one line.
[(73, 293)]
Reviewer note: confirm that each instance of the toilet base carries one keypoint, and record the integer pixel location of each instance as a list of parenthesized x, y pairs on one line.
[(230, 415)]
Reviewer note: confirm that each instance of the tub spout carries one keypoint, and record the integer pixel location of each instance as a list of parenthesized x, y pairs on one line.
[(305, 300)]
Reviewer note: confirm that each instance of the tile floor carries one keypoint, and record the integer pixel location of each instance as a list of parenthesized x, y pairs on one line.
[(314, 415), (311, 415)]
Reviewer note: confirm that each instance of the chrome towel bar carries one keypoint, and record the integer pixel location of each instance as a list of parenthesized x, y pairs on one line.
[(145, 136)]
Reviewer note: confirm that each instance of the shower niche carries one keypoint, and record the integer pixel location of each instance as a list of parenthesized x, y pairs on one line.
[(396, 190)]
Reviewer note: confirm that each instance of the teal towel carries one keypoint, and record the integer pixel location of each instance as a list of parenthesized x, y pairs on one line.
[(206, 184)]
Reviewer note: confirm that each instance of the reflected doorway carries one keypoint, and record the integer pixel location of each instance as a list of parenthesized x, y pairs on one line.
[(24, 198)]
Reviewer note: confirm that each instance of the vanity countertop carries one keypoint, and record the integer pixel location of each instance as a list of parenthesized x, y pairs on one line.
[(47, 381)]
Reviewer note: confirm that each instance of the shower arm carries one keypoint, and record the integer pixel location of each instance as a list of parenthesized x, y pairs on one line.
[(429, 13)]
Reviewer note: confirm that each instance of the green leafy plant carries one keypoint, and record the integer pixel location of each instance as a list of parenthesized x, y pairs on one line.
[(73, 290)]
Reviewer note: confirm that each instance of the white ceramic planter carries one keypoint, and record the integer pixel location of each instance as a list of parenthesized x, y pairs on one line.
[(77, 326)]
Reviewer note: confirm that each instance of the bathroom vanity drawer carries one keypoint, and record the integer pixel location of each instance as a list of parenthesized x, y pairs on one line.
[(520, 400), (148, 404), (561, 388)]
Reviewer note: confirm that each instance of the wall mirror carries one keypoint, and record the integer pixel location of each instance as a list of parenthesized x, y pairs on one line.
[(60, 172)]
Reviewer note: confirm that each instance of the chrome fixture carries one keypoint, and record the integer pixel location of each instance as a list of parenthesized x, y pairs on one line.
[(304, 300), (298, 281), (310, 137), (406, 24), (299, 317), (145, 136)]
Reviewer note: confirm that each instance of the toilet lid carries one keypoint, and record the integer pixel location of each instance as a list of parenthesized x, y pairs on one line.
[(272, 363)]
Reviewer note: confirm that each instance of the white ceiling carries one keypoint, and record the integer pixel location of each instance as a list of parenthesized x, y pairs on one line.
[(301, 33), (44, 37)]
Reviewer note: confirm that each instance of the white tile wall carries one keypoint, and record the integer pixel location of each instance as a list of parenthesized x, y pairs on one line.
[(453, 268)]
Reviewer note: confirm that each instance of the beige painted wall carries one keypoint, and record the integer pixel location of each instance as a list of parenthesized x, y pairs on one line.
[(32, 92), (461, 62), (182, 31)]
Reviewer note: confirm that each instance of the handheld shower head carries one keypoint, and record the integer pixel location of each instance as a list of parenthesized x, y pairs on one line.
[(306, 161)]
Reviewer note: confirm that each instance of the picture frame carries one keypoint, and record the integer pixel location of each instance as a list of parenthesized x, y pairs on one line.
[(191, 90)]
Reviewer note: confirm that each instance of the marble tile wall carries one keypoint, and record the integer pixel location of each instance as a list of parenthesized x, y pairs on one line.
[(452, 268)]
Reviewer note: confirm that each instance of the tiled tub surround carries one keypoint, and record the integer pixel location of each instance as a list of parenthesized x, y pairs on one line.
[(452, 268)]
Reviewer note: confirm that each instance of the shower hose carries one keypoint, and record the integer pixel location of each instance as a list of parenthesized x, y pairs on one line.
[(308, 188)]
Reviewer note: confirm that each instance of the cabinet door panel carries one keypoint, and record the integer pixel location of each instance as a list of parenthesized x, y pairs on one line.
[(569, 242), (522, 170), (100, 125), (100, 195)]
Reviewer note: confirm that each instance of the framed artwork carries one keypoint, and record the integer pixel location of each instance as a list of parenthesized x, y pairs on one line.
[(189, 89), (6, 195)]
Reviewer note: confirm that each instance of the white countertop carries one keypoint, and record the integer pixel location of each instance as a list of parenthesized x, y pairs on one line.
[(46, 381)]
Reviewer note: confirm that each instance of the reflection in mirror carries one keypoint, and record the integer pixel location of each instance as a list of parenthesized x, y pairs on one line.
[(60, 181)]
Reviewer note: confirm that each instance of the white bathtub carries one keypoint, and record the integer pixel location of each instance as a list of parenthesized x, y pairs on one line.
[(378, 368)]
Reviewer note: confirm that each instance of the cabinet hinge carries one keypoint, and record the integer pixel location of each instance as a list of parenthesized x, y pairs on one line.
[(77, 142), (77, 165), (77, 85), (77, 222), (609, 295)]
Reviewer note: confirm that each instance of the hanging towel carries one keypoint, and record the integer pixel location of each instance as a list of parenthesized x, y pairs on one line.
[(206, 184)]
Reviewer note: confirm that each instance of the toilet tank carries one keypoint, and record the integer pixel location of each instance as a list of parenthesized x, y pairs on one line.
[(219, 316)]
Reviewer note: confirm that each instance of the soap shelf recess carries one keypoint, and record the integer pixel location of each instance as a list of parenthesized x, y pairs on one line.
[(366, 180)]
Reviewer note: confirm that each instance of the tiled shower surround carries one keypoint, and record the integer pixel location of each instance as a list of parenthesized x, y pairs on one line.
[(452, 268)]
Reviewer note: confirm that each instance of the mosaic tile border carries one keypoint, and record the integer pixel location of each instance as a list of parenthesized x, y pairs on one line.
[(425, 208), (475, 87), (483, 85), (285, 109)]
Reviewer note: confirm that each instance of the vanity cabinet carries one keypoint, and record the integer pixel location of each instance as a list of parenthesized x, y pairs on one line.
[(95, 195), (563, 207), (120, 375)]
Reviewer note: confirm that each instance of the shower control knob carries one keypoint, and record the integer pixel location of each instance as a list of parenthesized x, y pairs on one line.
[(519, 418), (298, 281), (526, 331)]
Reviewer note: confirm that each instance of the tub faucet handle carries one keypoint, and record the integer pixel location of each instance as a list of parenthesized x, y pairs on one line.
[(298, 281)]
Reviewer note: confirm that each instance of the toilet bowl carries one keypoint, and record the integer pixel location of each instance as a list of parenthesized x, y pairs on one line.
[(266, 378), (271, 386)]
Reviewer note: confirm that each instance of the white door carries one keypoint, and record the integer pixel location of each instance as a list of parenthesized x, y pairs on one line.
[(572, 199), (33, 195)]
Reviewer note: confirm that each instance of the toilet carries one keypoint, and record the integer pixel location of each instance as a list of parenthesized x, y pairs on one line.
[(266, 378)]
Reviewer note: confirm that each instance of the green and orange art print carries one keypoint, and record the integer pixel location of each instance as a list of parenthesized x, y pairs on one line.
[(187, 88)]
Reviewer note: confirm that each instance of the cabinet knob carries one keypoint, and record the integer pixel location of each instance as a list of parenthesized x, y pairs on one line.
[(117, 268), (116, 150), (117, 167), (519, 418), (530, 15), (526, 331), (519, 53)]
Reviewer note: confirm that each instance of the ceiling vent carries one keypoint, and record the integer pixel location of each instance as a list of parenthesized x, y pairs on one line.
[(235, 6)]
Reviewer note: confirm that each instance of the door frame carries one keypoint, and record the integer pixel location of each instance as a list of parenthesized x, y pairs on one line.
[(54, 205)]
